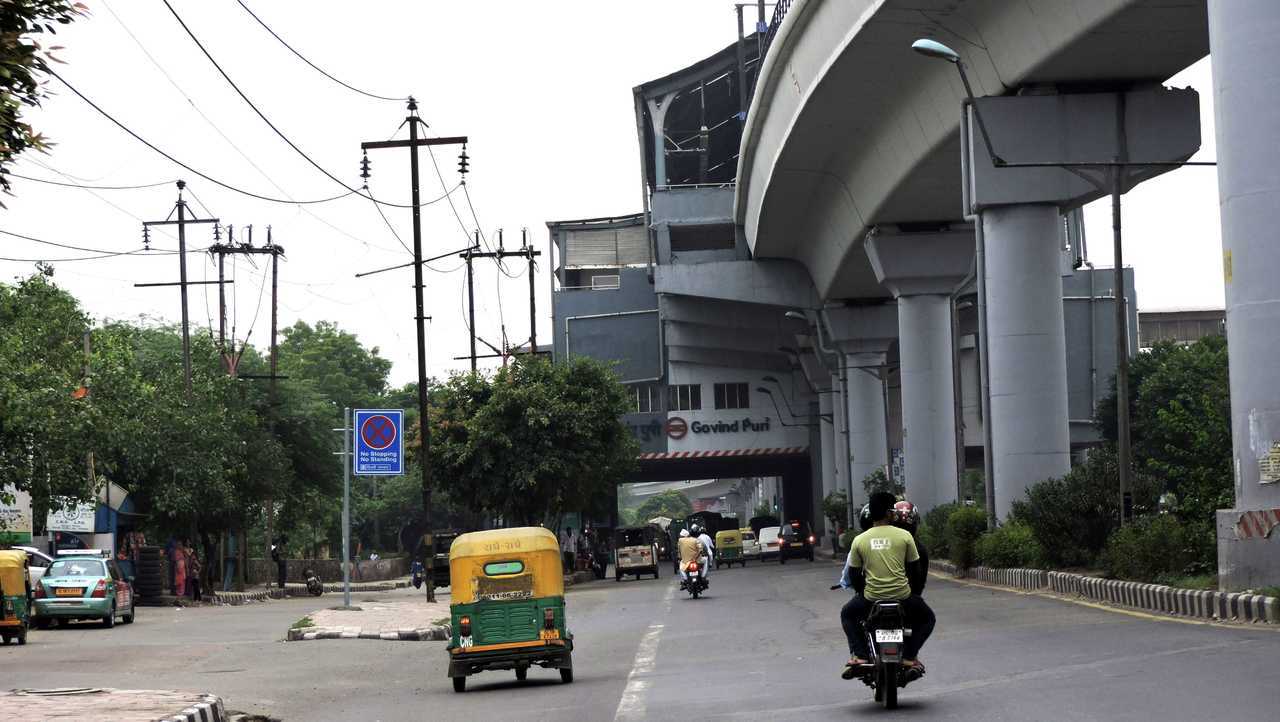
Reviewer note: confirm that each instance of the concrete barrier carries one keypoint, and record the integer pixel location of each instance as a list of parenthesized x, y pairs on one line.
[(1157, 598)]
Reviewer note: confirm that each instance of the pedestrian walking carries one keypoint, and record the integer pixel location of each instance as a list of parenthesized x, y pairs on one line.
[(179, 568)]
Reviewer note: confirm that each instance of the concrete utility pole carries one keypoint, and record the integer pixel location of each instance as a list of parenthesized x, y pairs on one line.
[(413, 144), (182, 222)]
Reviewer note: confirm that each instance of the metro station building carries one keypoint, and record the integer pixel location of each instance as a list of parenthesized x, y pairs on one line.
[(742, 371)]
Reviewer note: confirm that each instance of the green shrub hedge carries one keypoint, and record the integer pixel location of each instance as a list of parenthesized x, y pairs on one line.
[(1154, 549), (933, 531), (1073, 516), (1011, 546), (964, 526)]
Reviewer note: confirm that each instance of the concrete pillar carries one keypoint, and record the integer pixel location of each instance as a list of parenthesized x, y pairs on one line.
[(867, 433), (1029, 422), (1244, 37), (830, 445), (922, 270), (928, 399)]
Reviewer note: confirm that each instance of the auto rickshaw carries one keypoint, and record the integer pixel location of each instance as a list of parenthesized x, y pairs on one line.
[(15, 596), (508, 609), (729, 548)]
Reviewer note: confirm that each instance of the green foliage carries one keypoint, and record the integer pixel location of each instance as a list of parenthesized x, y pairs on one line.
[(535, 441), (973, 488), (44, 430), (762, 509), (1072, 516), (670, 503), (964, 526), (23, 58), (933, 530), (336, 364), (1009, 546), (846, 539), (1180, 411), (835, 507), (876, 481), (1153, 549)]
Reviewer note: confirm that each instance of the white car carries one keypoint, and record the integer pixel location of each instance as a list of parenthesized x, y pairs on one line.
[(37, 563), (750, 546), (770, 542)]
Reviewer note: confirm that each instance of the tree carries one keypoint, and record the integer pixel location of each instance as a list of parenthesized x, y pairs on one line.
[(835, 507), (670, 503), (23, 59), (1180, 407), (535, 441), (876, 481), (46, 422), (337, 364)]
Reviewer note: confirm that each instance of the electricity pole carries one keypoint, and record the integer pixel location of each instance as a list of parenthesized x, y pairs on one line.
[(413, 143), (182, 221), (526, 251)]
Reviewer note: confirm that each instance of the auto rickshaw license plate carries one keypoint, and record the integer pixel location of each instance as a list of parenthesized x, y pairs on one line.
[(68, 592)]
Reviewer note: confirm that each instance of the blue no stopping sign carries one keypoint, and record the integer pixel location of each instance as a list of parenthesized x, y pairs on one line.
[(379, 447)]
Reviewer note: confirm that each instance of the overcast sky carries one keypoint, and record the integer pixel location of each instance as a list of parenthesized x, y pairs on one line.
[(543, 91)]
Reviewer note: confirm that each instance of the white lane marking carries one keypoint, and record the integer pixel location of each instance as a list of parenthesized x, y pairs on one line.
[(632, 706)]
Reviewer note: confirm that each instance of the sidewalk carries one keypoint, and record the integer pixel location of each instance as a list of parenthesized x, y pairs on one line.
[(117, 705)]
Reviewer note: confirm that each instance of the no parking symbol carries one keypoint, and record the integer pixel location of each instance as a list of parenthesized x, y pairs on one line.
[(379, 442)]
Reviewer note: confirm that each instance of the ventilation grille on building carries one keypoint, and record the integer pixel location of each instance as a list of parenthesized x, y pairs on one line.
[(599, 283), (609, 247)]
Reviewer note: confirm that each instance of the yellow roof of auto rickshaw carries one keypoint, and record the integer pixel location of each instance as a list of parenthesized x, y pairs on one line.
[(13, 571), (728, 533), (503, 541)]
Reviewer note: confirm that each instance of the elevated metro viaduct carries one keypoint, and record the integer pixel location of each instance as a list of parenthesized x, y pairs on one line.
[(863, 163)]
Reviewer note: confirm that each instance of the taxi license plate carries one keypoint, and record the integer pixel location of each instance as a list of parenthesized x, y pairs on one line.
[(68, 592), (888, 635), (797, 544)]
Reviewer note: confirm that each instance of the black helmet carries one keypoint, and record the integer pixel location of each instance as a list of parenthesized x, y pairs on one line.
[(864, 517), (695, 529)]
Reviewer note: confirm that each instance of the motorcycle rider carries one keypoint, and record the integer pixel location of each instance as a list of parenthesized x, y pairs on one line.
[(883, 562), (709, 548), (907, 518), (690, 550)]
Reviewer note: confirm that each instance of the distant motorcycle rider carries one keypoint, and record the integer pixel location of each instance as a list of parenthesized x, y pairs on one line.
[(710, 549), (884, 564), (690, 550)]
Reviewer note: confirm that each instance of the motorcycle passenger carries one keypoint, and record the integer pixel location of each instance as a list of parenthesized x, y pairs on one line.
[(708, 547), (907, 517), (881, 565), (690, 550)]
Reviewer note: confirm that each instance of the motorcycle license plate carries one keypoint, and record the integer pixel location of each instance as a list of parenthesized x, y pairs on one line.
[(888, 635)]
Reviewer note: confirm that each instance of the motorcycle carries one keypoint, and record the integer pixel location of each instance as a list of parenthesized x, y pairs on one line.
[(418, 572), (314, 586), (886, 631), (696, 583)]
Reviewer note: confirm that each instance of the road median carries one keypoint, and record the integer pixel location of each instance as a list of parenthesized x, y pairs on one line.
[(1153, 598)]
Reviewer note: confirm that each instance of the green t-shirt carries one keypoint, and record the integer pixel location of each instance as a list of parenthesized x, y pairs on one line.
[(882, 553)]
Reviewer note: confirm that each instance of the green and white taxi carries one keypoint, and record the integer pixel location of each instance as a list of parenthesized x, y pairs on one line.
[(83, 585)]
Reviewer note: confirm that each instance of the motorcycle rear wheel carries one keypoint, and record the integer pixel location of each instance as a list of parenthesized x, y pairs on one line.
[(889, 683)]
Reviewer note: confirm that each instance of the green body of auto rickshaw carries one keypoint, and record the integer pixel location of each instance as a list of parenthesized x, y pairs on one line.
[(729, 548), (15, 596)]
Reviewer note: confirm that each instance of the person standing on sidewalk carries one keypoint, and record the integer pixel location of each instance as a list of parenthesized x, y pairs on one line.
[(193, 573), (280, 557)]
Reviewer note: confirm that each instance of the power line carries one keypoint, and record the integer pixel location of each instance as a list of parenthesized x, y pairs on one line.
[(69, 260), (90, 187), (267, 120), (174, 160), (313, 65), (158, 252)]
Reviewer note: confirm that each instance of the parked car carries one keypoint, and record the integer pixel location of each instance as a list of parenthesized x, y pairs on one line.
[(37, 563), (750, 545), (83, 585), (770, 540), (798, 541)]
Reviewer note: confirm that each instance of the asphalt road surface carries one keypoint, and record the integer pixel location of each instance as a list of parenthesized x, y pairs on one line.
[(765, 644)]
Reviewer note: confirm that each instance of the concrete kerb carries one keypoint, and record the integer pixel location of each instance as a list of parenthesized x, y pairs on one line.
[(209, 709), (434, 633), (294, 589), (1157, 598)]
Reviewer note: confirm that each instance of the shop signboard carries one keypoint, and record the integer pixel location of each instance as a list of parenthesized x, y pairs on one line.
[(73, 516), (15, 516)]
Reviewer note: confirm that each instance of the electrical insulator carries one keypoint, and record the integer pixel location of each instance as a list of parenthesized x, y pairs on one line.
[(364, 167), (217, 233), (146, 238), (462, 162)]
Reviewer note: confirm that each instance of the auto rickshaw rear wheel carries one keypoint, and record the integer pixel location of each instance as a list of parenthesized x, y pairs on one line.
[(566, 674), (522, 673), (459, 684)]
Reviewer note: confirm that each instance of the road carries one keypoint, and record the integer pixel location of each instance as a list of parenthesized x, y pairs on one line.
[(765, 644)]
